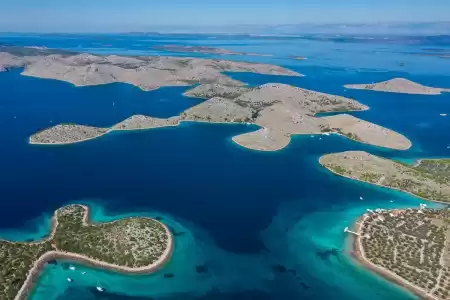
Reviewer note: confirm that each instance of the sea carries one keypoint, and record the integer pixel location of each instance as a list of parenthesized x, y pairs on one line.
[(247, 224)]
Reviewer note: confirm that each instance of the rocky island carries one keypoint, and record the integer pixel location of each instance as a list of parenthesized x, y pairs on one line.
[(204, 50), (399, 85), (428, 179), (145, 72), (72, 133), (281, 110), (67, 134), (132, 245), (411, 247)]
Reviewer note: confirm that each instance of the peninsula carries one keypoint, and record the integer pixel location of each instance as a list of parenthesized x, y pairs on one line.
[(399, 85), (366, 132), (204, 50), (145, 72), (410, 247), (132, 245), (281, 110), (428, 179)]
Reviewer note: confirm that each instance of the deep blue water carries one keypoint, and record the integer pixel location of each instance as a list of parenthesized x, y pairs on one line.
[(260, 225)]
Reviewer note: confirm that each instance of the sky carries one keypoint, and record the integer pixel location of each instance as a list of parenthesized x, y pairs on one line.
[(144, 15)]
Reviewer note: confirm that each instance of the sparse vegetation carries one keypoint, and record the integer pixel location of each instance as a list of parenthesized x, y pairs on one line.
[(430, 179), (412, 243)]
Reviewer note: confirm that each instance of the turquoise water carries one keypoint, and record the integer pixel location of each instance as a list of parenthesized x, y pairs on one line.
[(248, 224)]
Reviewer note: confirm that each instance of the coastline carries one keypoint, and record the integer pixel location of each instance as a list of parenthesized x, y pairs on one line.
[(111, 129), (383, 186), (357, 252), (35, 271)]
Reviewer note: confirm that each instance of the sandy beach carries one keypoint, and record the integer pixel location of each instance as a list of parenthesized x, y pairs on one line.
[(38, 266)]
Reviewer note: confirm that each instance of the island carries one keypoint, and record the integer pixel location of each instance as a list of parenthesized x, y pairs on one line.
[(281, 110), (410, 247), (132, 245), (204, 50), (399, 85), (72, 133), (67, 133), (428, 179), (145, 72)]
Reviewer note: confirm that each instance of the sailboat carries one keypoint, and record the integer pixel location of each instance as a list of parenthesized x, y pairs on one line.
[(99, 288), (69, 279)]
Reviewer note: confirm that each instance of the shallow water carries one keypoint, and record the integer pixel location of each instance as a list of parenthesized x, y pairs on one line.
[(248, 224)]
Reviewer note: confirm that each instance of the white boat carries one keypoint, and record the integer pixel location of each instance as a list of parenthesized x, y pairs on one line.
[(72, 268), (443, 115), (69, 279), (99, 288), (83, 273), (361, 198)]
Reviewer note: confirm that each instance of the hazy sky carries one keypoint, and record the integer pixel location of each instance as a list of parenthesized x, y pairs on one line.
[(130, 15)]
